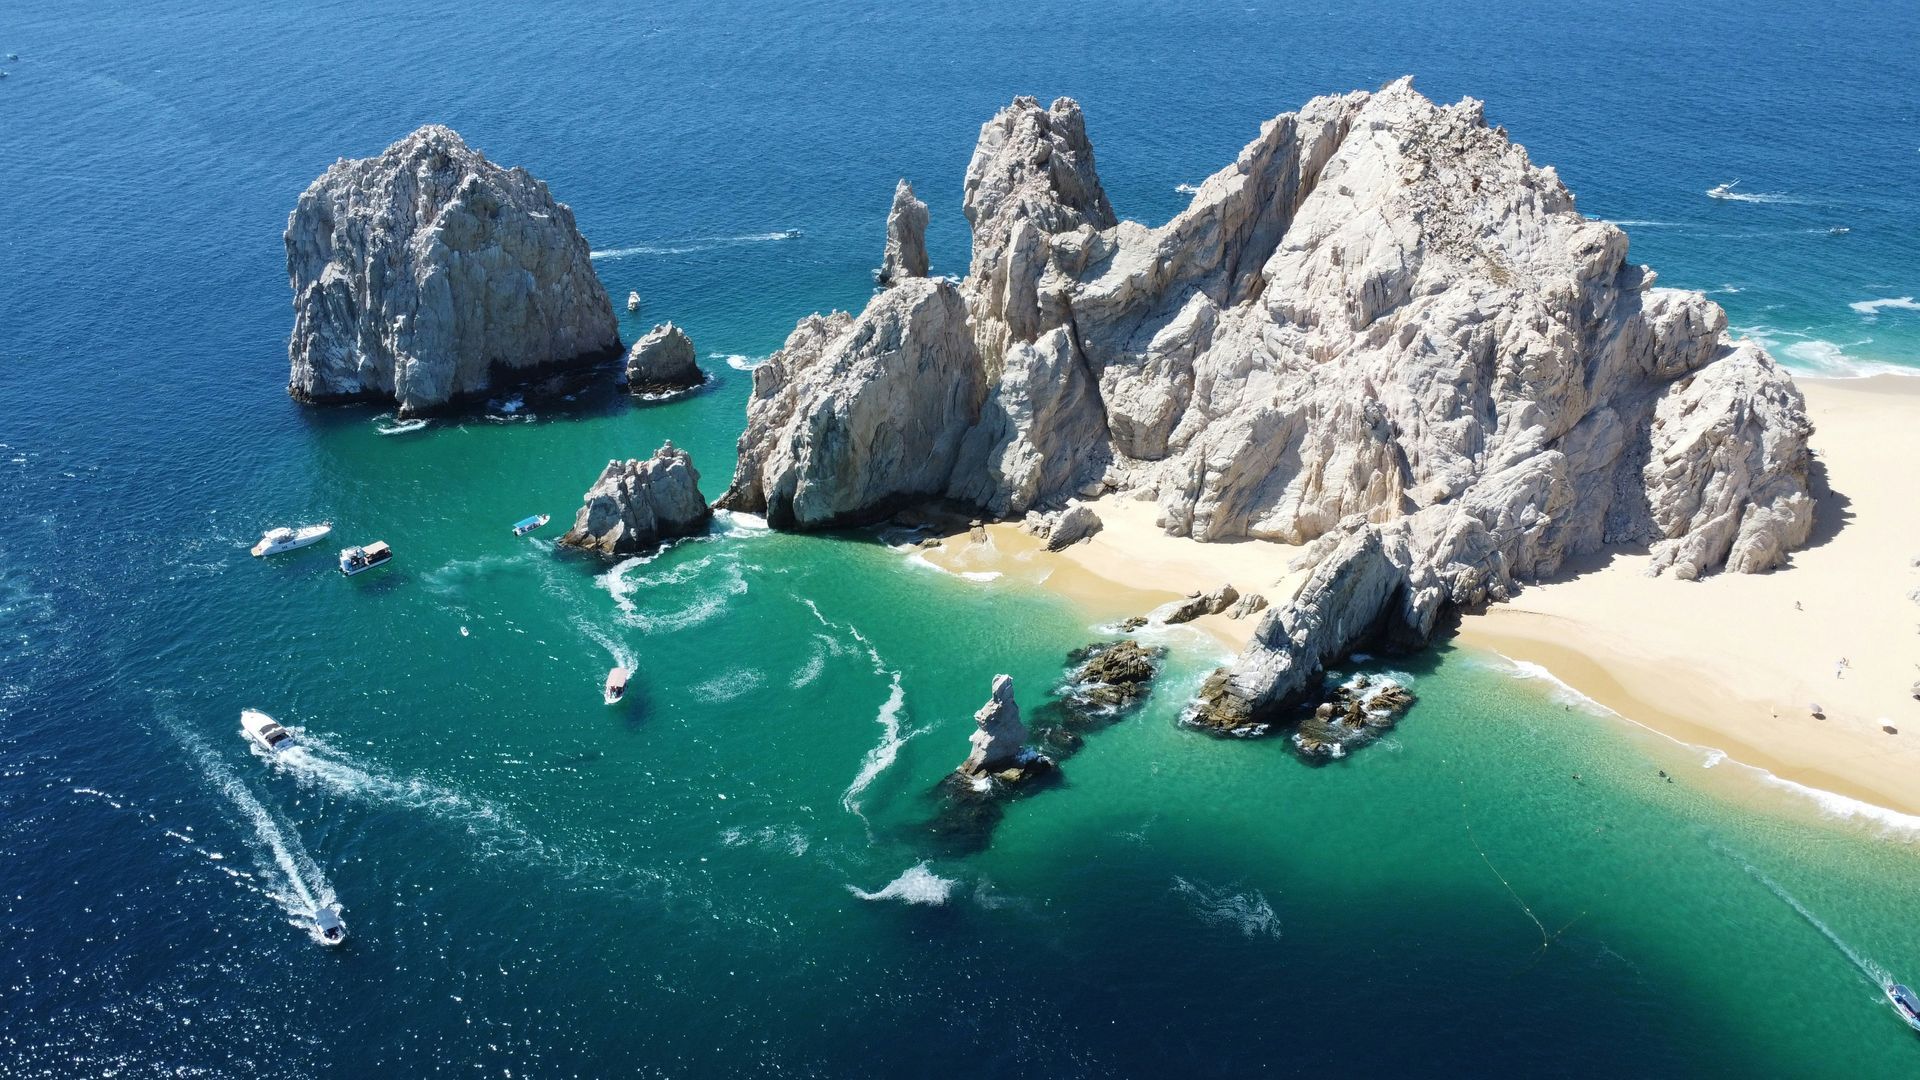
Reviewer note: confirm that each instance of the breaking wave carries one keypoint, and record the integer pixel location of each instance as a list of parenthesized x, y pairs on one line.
[(697, 243), (1248, 912), (1875, 307), (1187, 189), (917, 885), (385, 424), (742, 362)]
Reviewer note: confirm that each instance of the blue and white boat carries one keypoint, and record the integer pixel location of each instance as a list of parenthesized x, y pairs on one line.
[(356, 560), (1906, 1003), (527, 525)]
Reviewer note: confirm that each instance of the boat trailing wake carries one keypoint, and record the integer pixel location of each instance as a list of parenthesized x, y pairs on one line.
[(1248, 912), (1873, 972), (697, 243), (722, 574), (622, 655), (916, 885), (292, 878)]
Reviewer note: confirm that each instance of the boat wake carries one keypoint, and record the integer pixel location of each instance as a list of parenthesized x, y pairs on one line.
[(291, 877), (697, 243), (727, 686), (385, 424), (722, 577), (917, 885), (1248, 912), (1873, 972), (622, 656), (890, 717)]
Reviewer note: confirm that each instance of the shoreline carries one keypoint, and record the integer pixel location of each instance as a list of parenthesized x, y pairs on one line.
[(1730, 664)]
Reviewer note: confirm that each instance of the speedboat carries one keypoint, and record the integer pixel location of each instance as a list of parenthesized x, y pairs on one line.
[(355, 560), (275, 541), (1722, 191), (616, 685), (1906, 1003), (265, 732), (333, 929), (527, 525), (633, 301)]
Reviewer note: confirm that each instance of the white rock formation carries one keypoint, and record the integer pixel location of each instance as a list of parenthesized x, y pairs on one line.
[(1382, 331), (1000, 736), (906, 254), (1212, 602), (663, 360), (635, 505), (429, 274), (1064, 528)]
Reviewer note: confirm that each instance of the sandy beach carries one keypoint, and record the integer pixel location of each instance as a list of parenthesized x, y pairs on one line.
[(1734, 662)]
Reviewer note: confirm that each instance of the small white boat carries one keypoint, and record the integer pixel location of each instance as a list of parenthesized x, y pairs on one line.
[(265, 732), (275, 541), (527, 525), (616, 685), (356, 560), (1722, 191), (1906, 1003), (1839, 230), (333, 929), (633, 301)]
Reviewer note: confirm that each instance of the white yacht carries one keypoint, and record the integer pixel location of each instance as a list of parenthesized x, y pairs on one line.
[(616, 685), (356, 560), (633, 301), (265, 732), (1722, 191), (333, 929), (275, 541)]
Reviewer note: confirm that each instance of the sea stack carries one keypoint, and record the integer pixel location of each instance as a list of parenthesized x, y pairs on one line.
[(662, 362), (428, 275), (635, 505), (906, 254), (1382, 332), (1000, 737)]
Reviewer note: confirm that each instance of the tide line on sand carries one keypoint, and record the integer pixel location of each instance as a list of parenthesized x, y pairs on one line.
[(1830, 804)]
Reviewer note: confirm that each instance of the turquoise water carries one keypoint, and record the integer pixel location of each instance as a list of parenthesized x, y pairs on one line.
[(735, 871)]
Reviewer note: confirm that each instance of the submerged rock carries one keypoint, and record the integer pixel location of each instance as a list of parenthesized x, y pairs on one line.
[(1112, 676), (428, 275), (635, 505), (663, 361), (906, 254), (1382, 332), (1355, 713)]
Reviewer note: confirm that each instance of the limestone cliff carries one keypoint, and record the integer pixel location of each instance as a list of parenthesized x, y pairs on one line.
[(1382, 332), (634, 505), (906, 252), (429, 274)]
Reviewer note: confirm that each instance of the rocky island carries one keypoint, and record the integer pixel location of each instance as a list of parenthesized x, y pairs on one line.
[(635, 505), (1382, 333), (429, 275)]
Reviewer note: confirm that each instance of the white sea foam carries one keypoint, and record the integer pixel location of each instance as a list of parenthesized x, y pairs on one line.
[(1895, 303), (1756, 197), (728, 685), (816, 663), (917, 885), (721, 578), (618, 650), (743, 362), (1248, 911), (739, 524), (460, 574), (386, 425), (790, 840), (890, 716), (1634, 223), (1187, 189), (698, 243)]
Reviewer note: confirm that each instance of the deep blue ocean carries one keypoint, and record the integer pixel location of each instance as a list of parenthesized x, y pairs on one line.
[(735, 873)]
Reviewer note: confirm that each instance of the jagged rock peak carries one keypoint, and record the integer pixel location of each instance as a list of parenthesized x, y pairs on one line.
[(1382, 332), (906, 254), (663, 361), (428, 274), (634, 505)]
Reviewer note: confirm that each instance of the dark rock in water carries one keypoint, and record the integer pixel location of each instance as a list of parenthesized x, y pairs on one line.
[(662, 361), (1354, 714), (1135, 622), (1218, 709), (1111, 676)]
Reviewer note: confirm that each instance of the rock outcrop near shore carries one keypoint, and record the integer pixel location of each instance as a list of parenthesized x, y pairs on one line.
[(1382, 332), (428, 275), (635, 505)]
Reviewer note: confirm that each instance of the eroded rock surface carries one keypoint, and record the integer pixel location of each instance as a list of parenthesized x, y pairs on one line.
[(906, 253), (663, 361), (1382, 332), (428, 275), (635, 505), (999, 739)]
